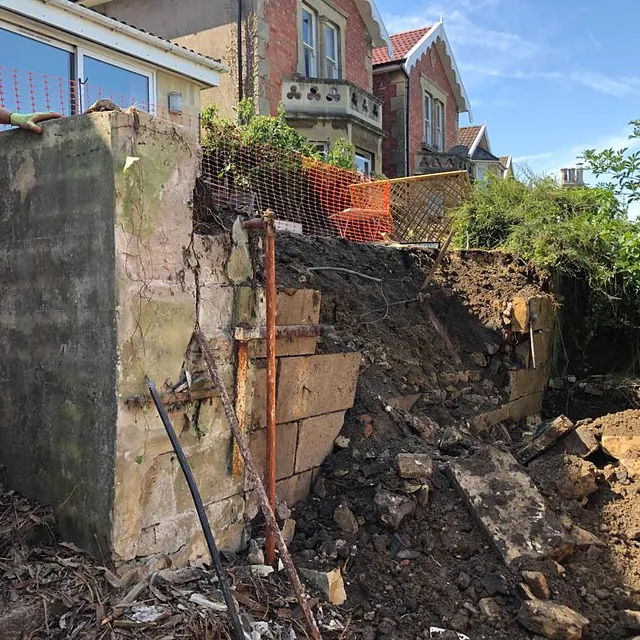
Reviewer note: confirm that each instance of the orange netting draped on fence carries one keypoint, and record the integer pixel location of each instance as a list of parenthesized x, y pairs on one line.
[(27, 92), (316, 198)]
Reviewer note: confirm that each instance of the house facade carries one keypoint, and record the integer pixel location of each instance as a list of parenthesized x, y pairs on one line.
[(474, 141), (422, 96), (68, 56), (313, 56)]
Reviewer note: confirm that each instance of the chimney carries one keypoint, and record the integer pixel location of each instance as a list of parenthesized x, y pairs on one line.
[(572, 177)]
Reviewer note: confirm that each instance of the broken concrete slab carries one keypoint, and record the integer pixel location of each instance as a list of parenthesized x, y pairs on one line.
[(548, 433), (509, 507), (330, 583), (552, 620), (414, 465)]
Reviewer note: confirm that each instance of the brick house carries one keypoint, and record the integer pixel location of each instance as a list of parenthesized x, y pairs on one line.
[(475, 139), (313, 56), (422, 95)]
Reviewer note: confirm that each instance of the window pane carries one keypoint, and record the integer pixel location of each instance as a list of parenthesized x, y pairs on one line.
[(363, 162), (48, 88), (307, 27), (106, 80), (330, 42)]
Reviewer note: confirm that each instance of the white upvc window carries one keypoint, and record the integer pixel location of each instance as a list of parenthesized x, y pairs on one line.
[(428, 119), (68, 75), (332, 51), (439, 137), (364, 162), (309, 42), (124, 83)]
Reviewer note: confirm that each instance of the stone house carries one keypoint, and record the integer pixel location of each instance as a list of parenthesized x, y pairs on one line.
[(422, 97), (475, 139), (313, 56), (70, 55)]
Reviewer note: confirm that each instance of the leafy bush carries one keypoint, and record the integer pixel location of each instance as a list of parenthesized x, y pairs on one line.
[(580, 234)]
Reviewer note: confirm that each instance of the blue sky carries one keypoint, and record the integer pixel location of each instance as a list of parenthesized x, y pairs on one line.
[(549, 78)]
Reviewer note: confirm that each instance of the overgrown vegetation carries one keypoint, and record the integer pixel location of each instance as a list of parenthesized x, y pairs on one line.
[(580, 238), (249, 130)]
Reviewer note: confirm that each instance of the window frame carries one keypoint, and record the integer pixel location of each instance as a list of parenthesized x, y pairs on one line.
[(335, 31), (82, 52), (368, 158), (428, 118), (313, 47), (78, 48), (439, 123)]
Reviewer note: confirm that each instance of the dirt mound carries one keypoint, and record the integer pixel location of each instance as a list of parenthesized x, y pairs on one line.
[(623, 423)]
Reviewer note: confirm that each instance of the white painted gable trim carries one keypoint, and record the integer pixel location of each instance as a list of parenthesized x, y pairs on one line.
[(375, 25), (417, 51), (92, 26), (476, 142)]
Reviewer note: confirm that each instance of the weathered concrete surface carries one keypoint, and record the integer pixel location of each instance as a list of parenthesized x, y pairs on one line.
[(315, 439), (509, 507), (58, 321)]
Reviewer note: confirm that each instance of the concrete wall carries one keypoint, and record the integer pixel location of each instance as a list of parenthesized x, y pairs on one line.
[(97, 260), (58, 321)]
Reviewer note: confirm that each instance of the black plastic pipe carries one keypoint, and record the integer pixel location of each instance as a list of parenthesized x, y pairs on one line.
[(232, 611)]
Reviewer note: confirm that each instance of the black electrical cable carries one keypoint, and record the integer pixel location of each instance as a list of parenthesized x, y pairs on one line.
[(232, 611)]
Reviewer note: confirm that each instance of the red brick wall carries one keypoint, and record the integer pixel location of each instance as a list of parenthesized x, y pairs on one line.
[(282, 48), (385, 89), (437, 76)]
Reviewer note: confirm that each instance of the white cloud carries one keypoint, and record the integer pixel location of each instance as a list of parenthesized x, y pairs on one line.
[(594, 41), (619, 87)]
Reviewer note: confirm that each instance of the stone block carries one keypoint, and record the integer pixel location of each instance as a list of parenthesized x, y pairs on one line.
[(414, 465), (552, 620), (509, 507), (622, 442), (316, 438), (540, 309), (293, 306), (315, 385), (548, 433), (523, 407), (526, 382), (298, 346), (286, 441), (581, 442), (295, 488)]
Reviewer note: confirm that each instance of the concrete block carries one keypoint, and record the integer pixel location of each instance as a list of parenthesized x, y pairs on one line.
[(212, 252), (315, 385), (284, 347), (239, 268), (315, 441), (526, 382), (581, 442), (509, 507), (286, 442), (295, 488)]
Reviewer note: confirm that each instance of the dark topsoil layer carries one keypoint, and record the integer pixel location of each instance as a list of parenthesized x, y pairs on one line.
[(438, 566)]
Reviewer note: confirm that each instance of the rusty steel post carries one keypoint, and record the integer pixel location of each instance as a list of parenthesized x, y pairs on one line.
[(237, 464), (270, 277)]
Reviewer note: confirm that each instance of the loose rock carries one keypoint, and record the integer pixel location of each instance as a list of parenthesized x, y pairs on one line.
[(630, 620), (552, 620), (414, 465), (393, 508), (330, 583), (490, 608), (537, 583), (345, 519)]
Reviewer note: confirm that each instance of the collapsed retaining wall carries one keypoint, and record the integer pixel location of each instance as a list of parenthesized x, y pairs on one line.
[(97, 261)]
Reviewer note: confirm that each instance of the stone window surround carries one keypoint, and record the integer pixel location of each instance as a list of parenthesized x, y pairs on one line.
[(326, 13), (428, 87)]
